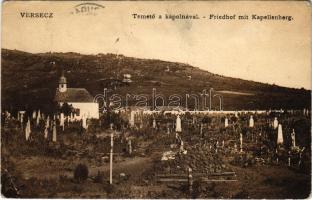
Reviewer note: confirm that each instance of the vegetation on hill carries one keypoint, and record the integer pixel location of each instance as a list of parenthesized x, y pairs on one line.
[(29, 81)]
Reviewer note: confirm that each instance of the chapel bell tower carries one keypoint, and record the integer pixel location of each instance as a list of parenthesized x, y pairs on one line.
[(62, 83)]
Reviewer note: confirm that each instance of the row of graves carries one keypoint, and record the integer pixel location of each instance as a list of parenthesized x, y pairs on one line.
[(269, 134), (195, 148), (38, 134), (202, 148), (72, 140), (49, 126), (64, 136)]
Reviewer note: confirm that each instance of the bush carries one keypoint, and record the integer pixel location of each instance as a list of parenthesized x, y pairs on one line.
[(206, 120), (115, 118), (81, 173)]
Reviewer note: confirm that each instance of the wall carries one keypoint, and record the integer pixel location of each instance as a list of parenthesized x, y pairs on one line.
[(89, 109)]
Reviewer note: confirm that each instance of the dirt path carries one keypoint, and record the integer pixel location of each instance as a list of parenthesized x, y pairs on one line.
[(132, 166), (50, 168)]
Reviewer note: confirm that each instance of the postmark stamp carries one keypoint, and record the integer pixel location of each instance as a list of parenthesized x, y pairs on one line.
[(87, 9)]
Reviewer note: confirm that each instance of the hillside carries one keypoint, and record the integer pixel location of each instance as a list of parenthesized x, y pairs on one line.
[(30, 80)]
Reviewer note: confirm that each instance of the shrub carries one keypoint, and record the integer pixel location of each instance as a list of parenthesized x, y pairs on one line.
[(81, 173), (206, 120)]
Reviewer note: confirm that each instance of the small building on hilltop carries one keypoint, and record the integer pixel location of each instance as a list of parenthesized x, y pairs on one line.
[(127, 78), (79, 98)]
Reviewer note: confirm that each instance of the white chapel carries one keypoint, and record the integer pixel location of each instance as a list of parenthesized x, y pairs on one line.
[(79, 98)]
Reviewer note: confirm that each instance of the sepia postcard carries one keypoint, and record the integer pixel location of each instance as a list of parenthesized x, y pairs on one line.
[(156, 99)]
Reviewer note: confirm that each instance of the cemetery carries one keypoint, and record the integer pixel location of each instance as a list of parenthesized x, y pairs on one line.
[(136, 154), (156, 100)]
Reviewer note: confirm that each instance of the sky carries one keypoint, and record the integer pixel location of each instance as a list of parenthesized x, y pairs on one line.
[(268, 51)]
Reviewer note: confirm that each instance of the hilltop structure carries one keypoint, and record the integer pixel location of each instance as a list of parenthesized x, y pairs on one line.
[(79, 98), (127, 78)]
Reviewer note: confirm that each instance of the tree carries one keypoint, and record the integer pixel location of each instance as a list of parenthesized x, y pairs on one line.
[(66, 109)]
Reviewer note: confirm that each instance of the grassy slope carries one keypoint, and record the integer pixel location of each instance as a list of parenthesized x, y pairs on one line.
[(31, 79)]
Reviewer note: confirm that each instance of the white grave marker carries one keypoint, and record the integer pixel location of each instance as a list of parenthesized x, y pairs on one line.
[(54, 132), (275, 123), (241, 142), (27, 130), (293, 138), (280, 139), (251, 122), (226, 122), (178, 124)]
